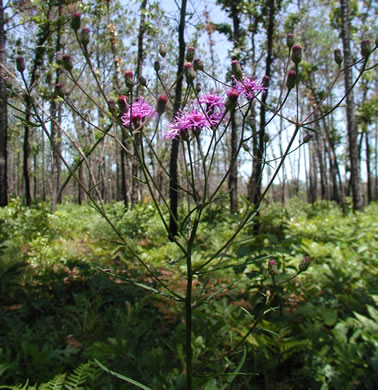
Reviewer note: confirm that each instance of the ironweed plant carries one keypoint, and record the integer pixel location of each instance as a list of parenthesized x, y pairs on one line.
[(200, 126)]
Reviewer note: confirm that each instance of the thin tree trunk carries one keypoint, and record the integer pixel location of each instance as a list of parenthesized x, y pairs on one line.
[(255, 184), (354, 156), (3, 116), (173, 163), (233, 176), (368, 171)]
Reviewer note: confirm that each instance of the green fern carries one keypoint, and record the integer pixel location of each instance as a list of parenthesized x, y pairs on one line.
[(86, 373), (19, 387), (57, 383)]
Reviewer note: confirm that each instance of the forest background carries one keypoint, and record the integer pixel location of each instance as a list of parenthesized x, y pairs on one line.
[(290, 177)]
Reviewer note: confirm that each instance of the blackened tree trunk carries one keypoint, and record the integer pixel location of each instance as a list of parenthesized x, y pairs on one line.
[(368, 170), (3, 116), (255, 183), (354, 155), (55, 113), (233, 177), (135, 170), (173, 163)]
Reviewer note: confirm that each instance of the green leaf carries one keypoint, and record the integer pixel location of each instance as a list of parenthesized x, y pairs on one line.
[(26, 122), (124, 378)]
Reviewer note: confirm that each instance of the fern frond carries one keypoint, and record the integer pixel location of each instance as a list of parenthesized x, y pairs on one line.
[(81, 375), (57, 383), (19, 387)]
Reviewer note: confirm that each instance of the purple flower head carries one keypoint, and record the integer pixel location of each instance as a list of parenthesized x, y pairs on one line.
[(214, 107), (249, 87), (139, 111), (194, 121)]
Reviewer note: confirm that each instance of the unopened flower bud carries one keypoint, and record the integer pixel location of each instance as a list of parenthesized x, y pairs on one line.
[(162, 50), (111, 105), (266, 138), (67, 62), (85, 36), (59, 89), (142, 81), (365, 48), (296, 54), (75, 21), (307, 138), (236, 70), (291, 79), (190, 73), (123, 104), (198, 87), (304, 264), (290, 40), (161, 104), (157, 66), (232, 98), (189, 54), (272, 267), (20, 64), (129, 78), (338, 56), (246, 146), (265, 81), (197, 64)]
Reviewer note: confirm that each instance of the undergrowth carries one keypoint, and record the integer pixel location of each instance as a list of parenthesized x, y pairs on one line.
[(65, 300)]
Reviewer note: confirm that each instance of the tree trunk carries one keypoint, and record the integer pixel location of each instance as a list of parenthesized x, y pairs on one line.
[(354, 156), (368, 171), (3, 117), (233, 177), (173, 171), (255, 182)]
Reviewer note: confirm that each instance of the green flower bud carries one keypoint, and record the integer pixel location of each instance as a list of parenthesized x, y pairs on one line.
[(59, 89), (365, 48), (236, 70), (272, 267), (232, 98), (162, 50), (67, 62), (291, 79), (157, 66), (190, 73), (123, 104), (20, 64), (85, 36), (307, 138), (111, 105), (129, 79), (75, 21), (304, 264), (290, 40), (338, 56), (161, 104), (197, 64), (189, 54), (142, 81), (296, 54)]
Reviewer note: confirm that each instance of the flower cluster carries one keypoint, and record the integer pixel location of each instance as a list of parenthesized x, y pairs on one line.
[(208, 111), (137, 113), (210, 108), (248, 87)]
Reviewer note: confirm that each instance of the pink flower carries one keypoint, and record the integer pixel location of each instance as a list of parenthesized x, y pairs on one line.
[(214, 107), (194, 121), (248, 87), (139, 111)]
